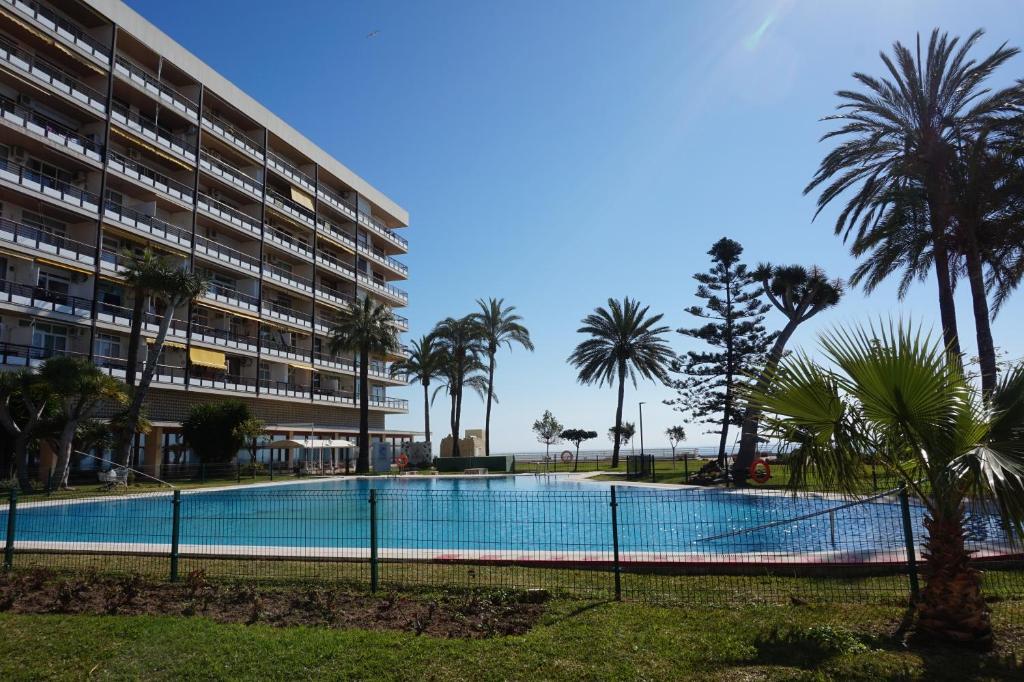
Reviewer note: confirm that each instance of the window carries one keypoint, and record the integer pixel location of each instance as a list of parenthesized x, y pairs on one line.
[(53, 283), (44, 223), (264, 372), (108, 346), (51, 338)]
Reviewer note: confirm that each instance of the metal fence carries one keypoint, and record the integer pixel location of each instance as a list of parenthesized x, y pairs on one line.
[(708, 546)]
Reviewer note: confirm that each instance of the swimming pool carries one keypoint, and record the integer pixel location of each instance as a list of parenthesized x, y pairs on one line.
[(507, 517)]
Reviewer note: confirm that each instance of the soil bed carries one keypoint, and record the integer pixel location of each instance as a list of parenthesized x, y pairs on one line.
[(471, 616)]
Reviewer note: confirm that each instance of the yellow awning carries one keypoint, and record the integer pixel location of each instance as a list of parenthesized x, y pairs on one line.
[(58, 264), (167, 344), (299, 365), (302, 199), (207, 358), (142, 143)]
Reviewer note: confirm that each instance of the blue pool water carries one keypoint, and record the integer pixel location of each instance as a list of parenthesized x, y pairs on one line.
[(520, 513)]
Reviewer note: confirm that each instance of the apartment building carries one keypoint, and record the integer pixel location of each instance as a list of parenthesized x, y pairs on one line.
[(114, 138)]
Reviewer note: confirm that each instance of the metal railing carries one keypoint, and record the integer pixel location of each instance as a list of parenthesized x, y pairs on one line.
[(232, 134), (336, 264), (48, 185), (383, 287), (228, 214), (147, 223), (149, 176), (332, 231), (223, 337), (290, 207), (283, 311), (381, 257), (287, 241), (153, 132), (333, 199), (61, 26), (43, 240), (235, 177), (215, 289), (287, 276), (287, 169), (34, 122), (151, 84), (227, 254), (47, 72), (44, 299)]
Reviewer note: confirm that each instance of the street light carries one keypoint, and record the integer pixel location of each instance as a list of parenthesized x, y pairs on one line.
[(641, 429)]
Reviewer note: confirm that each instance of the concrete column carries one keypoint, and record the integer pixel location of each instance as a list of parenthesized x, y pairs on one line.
[(47, 461), (153, 452)]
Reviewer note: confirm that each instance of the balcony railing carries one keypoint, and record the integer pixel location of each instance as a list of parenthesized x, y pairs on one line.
[(285, 388), (41, 70), (344, 206), (228, 214), (335, 264), (377, 226), (287, 241), (283, 350), (283, 312), (149, 177), (285, 276), (41, 240), (21, 355), (39, 125), (157, 88), (220, 292), (153, 132), (339, 297), (227, 254), (383, 288), (119, 314), (327, 359), (224, 381), (381, 257), (224, 337), (334, 233), (331, 395), (49, 186), (42, 299), (147, 223), (231, 175), (233, 135), (288, 170), (290, 207), (62, 27), (401, 322), (112, 260)]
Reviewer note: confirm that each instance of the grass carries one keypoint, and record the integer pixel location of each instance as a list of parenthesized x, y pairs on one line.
[(574, 640)]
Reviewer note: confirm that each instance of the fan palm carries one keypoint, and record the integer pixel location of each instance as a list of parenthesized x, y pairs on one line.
[(901, 132), (799, 294), (423, 364), (896, 394), (624, 341), (146, 274), (500, 327), (364, 328), (460, 343)]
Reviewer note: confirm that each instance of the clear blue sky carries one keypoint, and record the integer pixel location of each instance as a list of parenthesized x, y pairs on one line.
[(558, 153)]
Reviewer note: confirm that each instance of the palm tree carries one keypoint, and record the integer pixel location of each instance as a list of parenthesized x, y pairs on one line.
[(623, 342), (799, 294), (460, 343), (901, 134), (175, 287), (366, 328), (424, 364), (895, 393), (24, 403), (501, 327), (146, 274), (80, 388)]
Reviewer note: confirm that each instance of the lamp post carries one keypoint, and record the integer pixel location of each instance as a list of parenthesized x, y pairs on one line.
[(641, 429)]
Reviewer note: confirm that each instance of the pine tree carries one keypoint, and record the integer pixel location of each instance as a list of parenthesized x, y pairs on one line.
[(734, 311)]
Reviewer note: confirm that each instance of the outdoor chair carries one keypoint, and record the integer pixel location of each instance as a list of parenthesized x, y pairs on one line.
[(114, 478)]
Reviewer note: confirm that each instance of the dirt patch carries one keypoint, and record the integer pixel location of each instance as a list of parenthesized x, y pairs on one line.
[(452, 616)]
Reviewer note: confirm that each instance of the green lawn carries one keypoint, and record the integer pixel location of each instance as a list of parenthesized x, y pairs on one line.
[(575, 640)]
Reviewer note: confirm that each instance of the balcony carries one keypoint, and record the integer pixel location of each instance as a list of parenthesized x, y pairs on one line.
[(326, 360), (113, 261), (400, 322), (42, 71), (334, 296), (287, 277), (331, 232), (226, 254), (224, 338), (225, 294), (380, 257), (41, 299), (328, 395), (151, 225), (49, 186), (150, 178), (224, 382), (286, 169), (153, 133), (231, 175), (284, 388), (20, 355), (272, 348), (290, 208), (281, 312), (157, 89), (47, 242), (383, 288), (228, 215), (343, 206), (329, 261), (122, 316), (286, 241), (232, 135), (41, 127), (61, 27), (377, 226)]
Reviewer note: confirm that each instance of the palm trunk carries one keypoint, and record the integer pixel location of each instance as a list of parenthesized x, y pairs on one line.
[(752, 414), (947, 307), (452, 425), (63, 468), (426, 411), (21, 462), (135, 336), (951, 608), (458, 419), (982, 324), (490, 394), (576, 459), (618, 414), (363, 460)]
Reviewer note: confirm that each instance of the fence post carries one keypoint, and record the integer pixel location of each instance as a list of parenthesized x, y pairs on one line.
[(615, 546), (12, 511), (175, 532), (908, 538), (238, 471), (202, 472), (373, 540), (271, 466)]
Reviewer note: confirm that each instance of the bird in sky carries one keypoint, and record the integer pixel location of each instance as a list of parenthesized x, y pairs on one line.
[(371, 34)]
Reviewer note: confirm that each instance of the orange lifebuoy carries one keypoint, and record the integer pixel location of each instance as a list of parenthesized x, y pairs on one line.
[(760, 471), (403, 461)]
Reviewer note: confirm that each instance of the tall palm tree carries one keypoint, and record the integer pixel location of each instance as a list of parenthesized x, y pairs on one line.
[(624, 341), (146, 274), (81, 388), (25, 401), (799, 294), (895, 393), (423, 364), (176, 287), (501, 327), (460, 343), (364, 328), (901, 132)]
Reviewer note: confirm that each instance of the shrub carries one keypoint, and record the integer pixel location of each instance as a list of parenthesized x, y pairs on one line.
[(211, 430)]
